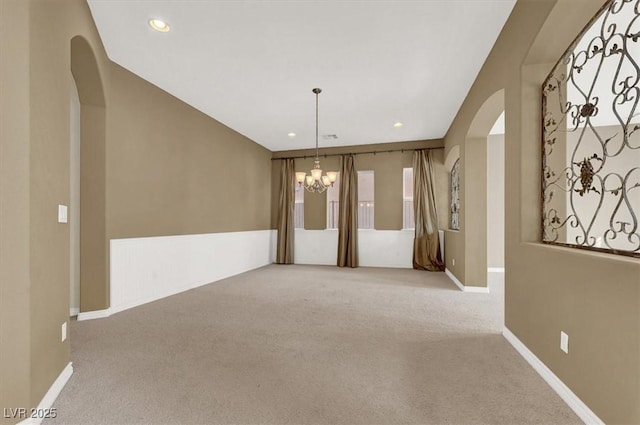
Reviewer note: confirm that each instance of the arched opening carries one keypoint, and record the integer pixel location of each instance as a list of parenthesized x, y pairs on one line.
[(495, 197), (90, 254), (74, 199), (475, 190)]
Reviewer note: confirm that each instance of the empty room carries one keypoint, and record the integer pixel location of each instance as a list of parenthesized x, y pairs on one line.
[(319, 212)]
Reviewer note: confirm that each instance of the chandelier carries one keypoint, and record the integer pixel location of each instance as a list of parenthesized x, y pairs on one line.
[(316, 182)]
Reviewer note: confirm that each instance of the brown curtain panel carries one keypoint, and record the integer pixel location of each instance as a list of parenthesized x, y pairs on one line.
[(426, 244), (348, 214), (286, 209)]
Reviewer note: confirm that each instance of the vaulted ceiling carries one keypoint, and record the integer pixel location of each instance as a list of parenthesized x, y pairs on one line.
[(252, 64)]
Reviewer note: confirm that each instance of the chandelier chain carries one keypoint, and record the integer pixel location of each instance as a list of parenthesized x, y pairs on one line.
[(316, 182)]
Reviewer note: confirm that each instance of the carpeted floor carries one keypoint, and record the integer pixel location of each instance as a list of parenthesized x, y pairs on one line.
[(307, 345)]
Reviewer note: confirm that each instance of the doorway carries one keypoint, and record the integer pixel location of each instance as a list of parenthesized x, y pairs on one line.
[(89, 247), (74, 200), (495, 197)]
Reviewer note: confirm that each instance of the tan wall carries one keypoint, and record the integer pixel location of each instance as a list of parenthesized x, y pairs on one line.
[(387, 167), (474, 217), (49, 186), (93, 294), (15, 320), (172, 170), (593, 297), (94, 287), (164, 169), (495, 200)]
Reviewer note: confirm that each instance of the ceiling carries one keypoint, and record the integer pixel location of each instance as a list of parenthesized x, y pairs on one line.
[(252, 64)]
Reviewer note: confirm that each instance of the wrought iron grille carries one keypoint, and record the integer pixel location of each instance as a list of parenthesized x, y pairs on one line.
[(454, 207), (591, 142)]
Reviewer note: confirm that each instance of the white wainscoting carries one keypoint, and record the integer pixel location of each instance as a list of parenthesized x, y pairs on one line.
[(147, 269), (315, 247), (376, 248), (386, 248)]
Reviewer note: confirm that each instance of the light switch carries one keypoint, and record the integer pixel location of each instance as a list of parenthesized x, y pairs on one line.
[(564, 342), (62, 214), (64, 331)]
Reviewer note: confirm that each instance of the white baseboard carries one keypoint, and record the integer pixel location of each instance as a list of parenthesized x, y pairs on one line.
[(454, 279), (495, 269), (464, 288), (477, 289), (74, 311), (98, 314), (50, 397), (572, 400)]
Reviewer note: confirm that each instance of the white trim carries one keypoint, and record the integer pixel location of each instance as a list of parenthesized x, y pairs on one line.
[(477, 289), (454, 279), (73, 311), (98, 314), (495, 269), (50, 397), (572, 400), (465, 288)]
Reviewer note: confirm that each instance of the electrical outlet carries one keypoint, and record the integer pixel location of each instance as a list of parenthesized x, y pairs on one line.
[(564, 342), (64, 331)]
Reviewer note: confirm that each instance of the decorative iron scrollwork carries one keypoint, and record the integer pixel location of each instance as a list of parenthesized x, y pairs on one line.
[(591, 147), (586, 175), (455, 196)]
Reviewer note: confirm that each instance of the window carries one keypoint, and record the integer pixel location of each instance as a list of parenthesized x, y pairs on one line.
[(591, 139), (407, 199), (365, 199), (298, 213), (333, 202)]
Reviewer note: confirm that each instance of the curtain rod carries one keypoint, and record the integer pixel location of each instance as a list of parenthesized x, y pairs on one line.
[(355, 153)]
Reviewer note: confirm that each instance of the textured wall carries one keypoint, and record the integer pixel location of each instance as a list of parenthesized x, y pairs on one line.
[(15, 318), (593, 297), (156, 167), (495, 201), (173, 170)]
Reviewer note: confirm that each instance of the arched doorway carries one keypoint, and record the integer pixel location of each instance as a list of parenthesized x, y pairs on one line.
[(495, 197), (89, 255), (475, 189)]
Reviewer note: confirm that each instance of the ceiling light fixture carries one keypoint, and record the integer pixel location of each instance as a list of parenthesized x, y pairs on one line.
[(316, 182), (159, 25), (292, 134), (397, 124)]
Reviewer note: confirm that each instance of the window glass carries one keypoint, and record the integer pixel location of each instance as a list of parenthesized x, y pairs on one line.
[(298, 220), (365, 199), (333, 202), (407, 199)]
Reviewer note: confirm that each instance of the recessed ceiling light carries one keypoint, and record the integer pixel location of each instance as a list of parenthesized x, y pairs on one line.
[(159, 25), (292, 134), (397, 124)]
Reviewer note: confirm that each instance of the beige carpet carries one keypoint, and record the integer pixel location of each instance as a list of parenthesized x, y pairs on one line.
[(307, 345)]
